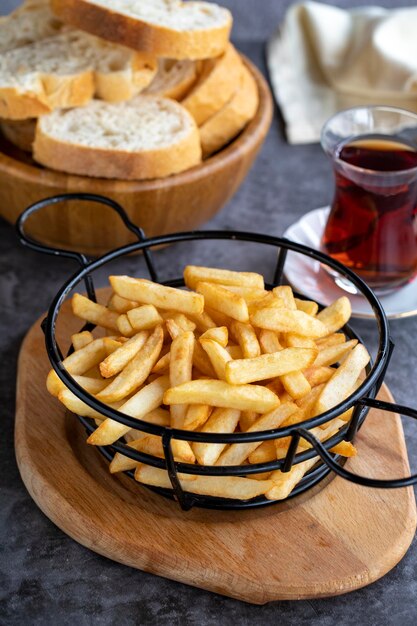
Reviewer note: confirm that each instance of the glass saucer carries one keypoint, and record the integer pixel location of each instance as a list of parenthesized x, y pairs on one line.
[(309, 278)]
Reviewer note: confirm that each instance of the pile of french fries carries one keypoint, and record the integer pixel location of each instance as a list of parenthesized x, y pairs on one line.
[(223, 356)]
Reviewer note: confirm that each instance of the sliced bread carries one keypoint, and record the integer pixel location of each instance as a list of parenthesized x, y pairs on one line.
[(166, 28), (67, 70), (218, 81), (31, 22), (20, 133), (173, 79), (232, 118), (147, 137)]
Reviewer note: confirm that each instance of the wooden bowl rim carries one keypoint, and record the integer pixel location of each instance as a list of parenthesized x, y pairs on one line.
[(249, 138)]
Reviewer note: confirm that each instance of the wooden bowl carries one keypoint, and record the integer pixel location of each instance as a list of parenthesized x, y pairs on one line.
[(180, 202)]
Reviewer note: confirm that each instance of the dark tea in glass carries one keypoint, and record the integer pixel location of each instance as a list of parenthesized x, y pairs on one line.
[(372, 227)]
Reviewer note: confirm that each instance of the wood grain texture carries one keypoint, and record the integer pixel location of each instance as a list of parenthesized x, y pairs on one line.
[(334, 539), (180, 202)]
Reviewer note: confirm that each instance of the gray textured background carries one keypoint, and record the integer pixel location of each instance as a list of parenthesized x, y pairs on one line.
[(45, 577)]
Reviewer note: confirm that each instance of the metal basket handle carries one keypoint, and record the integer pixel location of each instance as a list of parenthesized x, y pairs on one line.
[(393, 483), (80, 258)]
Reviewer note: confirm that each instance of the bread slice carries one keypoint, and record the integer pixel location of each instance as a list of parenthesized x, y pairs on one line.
[(147, 137), (20, 133), (220, 129), (67, 70), (31, 22), (166, 28), (219, 80), (173, 79)]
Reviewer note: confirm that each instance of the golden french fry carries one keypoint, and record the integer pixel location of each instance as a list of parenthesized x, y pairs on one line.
[(269, 341), (121, 305), (92, 312), (180, 369), (283, 320), (218, 356), (270, 300), (124, 326), (285, 293), (74, 404), (80, 361), (340, 384), (123, 463), (92, 385), (136, 371), (298, 341), (247, 418), (233, 487), (331, 340), (344, 448), (111, 345), (235, 352), (225, 301), (152, 444), (241, 371), (236, 453), (220, 421), (219, 318), (144, 317), (162, 365), (138, 406), (307, 306), (219, 334), (334, 354), (296, 384), (197, 415), (284, 483), (118, 359), (80, 340), (200, 360), (265, 453), (203, 321), (335, 316), (220, 394), (194, 274), (246, 338), (249, 294), (182, 321), (146, 292), (318, 375)]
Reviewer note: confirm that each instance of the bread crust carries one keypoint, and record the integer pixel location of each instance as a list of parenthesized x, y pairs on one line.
[(139, 35), (51, 91), (230, 121), (117, 163), (218, 81)]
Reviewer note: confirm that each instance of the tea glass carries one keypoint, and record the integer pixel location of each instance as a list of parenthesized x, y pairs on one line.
[(372, 226)]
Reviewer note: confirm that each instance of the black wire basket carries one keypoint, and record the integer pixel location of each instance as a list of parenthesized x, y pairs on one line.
[(361, 400)]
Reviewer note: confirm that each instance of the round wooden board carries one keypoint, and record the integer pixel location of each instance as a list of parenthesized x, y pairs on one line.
[(334, 540)]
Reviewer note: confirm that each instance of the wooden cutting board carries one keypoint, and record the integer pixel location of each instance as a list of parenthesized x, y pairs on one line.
[(334, 539)]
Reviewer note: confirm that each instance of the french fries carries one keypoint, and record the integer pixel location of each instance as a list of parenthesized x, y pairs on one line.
[(136, 371), (146, 292), (180, 369), (220, 394), (221, 421), (224, 301), (241, 371), (188, 360), (92, 312), (194, 274)]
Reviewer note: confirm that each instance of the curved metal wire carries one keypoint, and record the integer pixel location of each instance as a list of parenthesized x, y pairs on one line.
[(360, 400)]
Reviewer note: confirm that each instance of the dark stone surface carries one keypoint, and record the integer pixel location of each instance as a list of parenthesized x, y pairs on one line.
[(45, 577)]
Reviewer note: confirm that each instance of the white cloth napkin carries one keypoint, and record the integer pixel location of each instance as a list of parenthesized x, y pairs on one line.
[(324, 59)]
